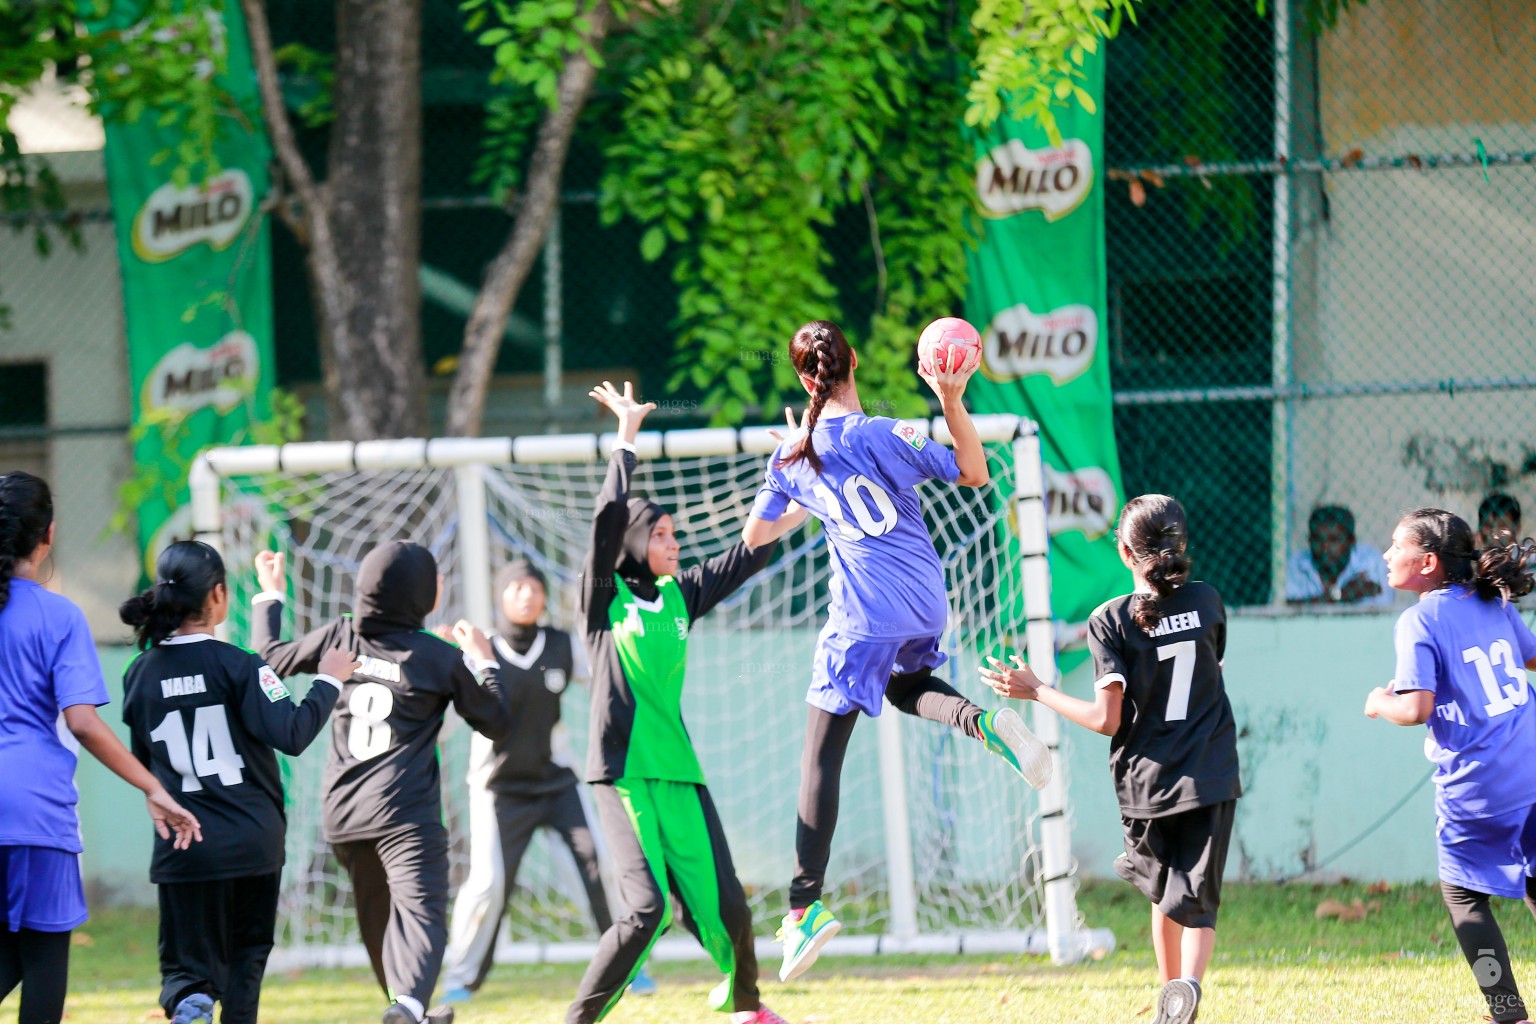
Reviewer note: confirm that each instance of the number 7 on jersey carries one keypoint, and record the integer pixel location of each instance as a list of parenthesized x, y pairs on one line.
[(1183, 655)]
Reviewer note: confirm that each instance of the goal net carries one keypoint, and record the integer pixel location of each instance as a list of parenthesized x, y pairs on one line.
[(939, 845)]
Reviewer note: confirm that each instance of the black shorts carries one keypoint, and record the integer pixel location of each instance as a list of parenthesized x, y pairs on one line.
[(1177, 861)]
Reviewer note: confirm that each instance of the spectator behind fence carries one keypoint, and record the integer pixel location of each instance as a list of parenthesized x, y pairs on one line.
[(1335, 568), (1498, 520)]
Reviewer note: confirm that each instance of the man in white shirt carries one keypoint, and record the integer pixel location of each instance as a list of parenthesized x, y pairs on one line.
[(1335, 568)]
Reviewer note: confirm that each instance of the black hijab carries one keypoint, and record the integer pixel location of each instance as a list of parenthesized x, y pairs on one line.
[(519, 636), (396, 589), (634, 563)]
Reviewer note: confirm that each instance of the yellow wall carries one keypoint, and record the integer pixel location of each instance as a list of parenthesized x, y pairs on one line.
[(1392, 63)]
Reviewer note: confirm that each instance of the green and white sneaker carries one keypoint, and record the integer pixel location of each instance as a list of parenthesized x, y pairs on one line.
[(804, 939), (1006, 735)]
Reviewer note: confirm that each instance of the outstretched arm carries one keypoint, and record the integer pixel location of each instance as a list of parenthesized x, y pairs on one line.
[(272, 717), (85, 724), (1101, 715), (611, 517), (288, 657), (949, 385)]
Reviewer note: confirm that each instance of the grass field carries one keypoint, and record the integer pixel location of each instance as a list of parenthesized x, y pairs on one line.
[(1276, 962)]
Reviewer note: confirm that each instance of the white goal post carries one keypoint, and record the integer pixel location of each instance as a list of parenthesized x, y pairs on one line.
[(482, 483)]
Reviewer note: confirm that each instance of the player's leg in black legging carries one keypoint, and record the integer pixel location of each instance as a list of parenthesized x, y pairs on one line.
[(568, 817), (821, 776), (1482, 943), (925, 695), (39, 963)]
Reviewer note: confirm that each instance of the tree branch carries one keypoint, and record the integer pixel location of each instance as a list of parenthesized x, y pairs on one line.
[(535, 209), (278, 125)]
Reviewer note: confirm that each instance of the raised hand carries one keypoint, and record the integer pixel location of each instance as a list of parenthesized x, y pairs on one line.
[(339, 664), (948, 381), (169, 816), (270, 567), (1019, 682), (789, 418), (623, 405), (473, 642)]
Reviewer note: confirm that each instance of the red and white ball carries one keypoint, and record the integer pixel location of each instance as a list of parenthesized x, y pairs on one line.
[(948, 342)]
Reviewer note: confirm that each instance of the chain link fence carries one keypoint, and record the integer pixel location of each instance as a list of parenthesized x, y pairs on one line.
[(1321, 242)]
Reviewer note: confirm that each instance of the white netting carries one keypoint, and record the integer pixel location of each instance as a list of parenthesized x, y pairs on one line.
[(974, 853)]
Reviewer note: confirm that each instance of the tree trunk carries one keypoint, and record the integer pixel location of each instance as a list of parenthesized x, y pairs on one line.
[(367, 289), (507, 273)]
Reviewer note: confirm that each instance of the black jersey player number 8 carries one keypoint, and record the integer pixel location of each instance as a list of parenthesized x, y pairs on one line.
[(370, 735), (868, 526), (211, 751)]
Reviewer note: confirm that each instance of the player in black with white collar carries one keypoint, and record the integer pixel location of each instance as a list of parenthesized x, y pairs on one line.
[(1159, 695), (383, 800), (205, 717), (519, 785)]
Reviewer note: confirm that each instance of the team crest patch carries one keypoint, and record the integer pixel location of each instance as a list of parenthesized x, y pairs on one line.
[(682, 626), (909, 434), (271, 684), (554, 680)]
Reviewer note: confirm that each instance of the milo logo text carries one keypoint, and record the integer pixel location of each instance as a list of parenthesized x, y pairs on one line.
[(1013, 178), (1080, 499), (189, 378), (1021, 343), (174, 219)]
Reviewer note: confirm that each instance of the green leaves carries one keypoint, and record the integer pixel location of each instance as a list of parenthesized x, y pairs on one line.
[(746, 132), (1030, 54)]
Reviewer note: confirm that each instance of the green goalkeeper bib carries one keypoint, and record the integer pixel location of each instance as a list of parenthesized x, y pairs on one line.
[(652, 641)]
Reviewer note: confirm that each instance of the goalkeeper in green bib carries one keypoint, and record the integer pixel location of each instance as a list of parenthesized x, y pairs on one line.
[(662, 828)]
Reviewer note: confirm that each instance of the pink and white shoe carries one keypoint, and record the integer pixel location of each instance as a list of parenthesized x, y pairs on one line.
[(765, 1016)]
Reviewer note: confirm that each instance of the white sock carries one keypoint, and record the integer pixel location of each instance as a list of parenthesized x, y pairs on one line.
[(743, 1016), (414, 1005)]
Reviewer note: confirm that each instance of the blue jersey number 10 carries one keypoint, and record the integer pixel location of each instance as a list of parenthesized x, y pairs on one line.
[(859, 491)]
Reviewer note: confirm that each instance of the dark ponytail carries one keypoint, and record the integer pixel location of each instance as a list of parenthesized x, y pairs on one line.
[(26, 512), (185, 574), (1496, 572), (1153, 527), (821, 354)]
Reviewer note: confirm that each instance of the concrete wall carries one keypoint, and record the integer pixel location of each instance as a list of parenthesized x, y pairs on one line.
[(1316, 772), (66, 311)]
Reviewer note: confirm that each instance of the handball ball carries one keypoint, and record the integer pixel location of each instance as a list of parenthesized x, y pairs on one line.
[(945, 335)]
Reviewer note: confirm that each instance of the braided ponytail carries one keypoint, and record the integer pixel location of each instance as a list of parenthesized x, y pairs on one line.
[(26, 512), (1155, 530), (821, 354)]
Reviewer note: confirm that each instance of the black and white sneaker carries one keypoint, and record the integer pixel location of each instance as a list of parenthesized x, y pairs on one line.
[(397, 1014), (440, 1014), (1178, 1002)]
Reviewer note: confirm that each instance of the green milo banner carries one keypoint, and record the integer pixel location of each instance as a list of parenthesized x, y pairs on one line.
[(1037, 295), (197, 286)]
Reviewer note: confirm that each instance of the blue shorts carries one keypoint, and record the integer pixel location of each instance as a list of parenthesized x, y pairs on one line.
[(851, 675), (1493, 855), (40, 889)]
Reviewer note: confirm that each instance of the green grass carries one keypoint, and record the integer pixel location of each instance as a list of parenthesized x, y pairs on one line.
[(1275, 963)]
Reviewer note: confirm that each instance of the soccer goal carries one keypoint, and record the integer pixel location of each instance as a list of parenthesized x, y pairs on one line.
[(940, 848)]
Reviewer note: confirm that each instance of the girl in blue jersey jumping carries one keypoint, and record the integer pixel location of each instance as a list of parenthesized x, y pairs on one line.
[(858, 474), (1462, 653)]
